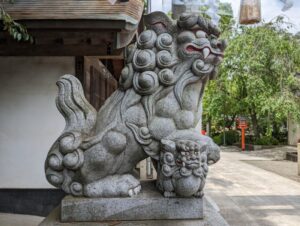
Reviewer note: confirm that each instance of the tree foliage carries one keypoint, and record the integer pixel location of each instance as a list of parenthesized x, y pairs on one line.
[(16, 30), (257, 77)]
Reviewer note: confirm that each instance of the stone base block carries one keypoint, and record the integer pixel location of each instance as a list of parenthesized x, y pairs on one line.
[(211, 218), (148, 205)]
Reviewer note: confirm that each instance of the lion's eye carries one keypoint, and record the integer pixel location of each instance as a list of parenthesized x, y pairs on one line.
[(185, 37), (201, 34)]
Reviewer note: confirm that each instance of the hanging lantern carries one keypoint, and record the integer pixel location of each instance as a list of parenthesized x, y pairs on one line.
[(250, 12)]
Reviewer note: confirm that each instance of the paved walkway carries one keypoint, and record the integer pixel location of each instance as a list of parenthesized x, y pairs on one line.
[(277, 153), (251, 196), (246, 194)]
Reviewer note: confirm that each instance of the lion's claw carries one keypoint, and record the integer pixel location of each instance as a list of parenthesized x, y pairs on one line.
[(134, 191)]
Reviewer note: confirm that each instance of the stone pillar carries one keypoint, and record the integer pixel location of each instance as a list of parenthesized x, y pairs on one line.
[(298, 154)]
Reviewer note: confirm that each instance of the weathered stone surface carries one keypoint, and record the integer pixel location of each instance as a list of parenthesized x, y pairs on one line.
[(211, 218), (147, 205), (138, 208), (152, 113)]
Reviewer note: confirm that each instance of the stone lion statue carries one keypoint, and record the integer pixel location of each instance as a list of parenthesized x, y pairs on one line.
[(152, 113)]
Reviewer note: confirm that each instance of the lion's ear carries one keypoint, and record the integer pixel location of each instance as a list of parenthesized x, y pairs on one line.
[(160, 23), (168, 145)]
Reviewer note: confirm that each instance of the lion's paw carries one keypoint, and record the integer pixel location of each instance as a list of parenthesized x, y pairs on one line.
[(199, 194), (169, 194), (113, 186), (134, 191)]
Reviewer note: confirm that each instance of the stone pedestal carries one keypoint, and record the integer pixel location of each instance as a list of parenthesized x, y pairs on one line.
[(148, 205), (149, 208)]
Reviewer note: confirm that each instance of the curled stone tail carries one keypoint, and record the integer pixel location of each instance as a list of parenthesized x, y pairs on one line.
[(77, 111), (65, 155)]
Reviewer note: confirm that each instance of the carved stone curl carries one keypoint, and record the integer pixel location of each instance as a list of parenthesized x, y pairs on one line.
[(145, 83), (152, 113), (167, 77), (147, 39), (164, 59), (125, 81), (144, 60), (164, 42)]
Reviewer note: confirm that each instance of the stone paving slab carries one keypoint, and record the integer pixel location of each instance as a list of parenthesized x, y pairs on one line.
[(286, 169), (251, 196), (8, 219), (275, 153)]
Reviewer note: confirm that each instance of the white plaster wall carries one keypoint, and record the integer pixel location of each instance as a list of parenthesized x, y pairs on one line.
[(29, 120)]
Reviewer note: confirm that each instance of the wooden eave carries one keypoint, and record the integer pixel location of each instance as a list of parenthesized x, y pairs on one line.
[(78, 32), (129, 11), (73, 24)]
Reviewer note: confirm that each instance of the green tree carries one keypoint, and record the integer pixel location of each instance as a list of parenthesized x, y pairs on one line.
[(257, 77)]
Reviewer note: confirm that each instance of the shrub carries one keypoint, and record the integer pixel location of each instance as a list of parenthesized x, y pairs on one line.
[(231, 137), (218, 139), (249, 139), (267, 140)]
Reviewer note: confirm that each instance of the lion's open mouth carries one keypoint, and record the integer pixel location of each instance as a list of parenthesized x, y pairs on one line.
[(192, 164), (205, 50), (191, 48)]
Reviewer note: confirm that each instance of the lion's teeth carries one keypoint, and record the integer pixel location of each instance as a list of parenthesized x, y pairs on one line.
[(206, 52)]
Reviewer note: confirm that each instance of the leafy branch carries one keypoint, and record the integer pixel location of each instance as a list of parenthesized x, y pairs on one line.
[(16, 30)]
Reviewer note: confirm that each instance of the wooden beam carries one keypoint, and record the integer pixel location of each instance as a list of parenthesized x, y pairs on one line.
[(62, 43), (74, 24), (116, 55), (52, 50), (77, 36)]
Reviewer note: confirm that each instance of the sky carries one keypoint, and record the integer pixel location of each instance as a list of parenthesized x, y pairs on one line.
[(270, 9)]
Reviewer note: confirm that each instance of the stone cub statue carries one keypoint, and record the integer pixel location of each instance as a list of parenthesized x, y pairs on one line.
[(183, 168), (152, 113)]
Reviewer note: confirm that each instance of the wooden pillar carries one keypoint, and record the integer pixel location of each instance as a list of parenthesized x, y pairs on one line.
[(79, 68), (99, 83)]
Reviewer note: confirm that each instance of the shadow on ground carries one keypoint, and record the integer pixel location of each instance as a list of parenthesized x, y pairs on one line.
[(286, 169)]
